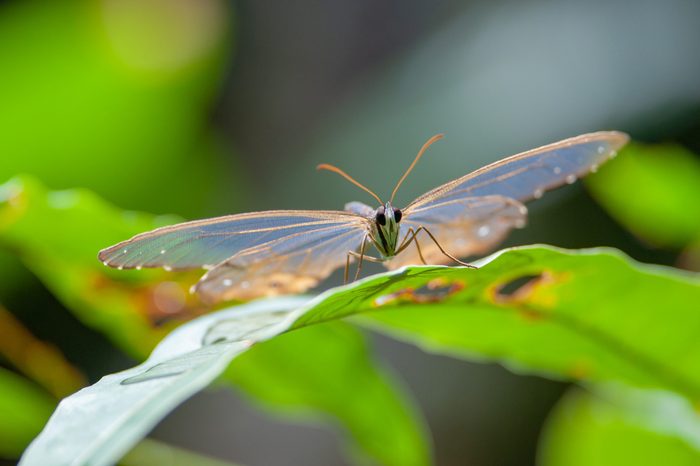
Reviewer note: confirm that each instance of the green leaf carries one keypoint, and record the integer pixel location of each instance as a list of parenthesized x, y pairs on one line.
[(328, 369), (151, 452), (648, 189), (98, 424), (581, 315), (58, 233), (613, 425), (588, 315), (24, 409)]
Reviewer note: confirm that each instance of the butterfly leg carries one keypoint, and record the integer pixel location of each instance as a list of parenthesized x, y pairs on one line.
[(447, 254), (347, 268), (407, 241), (362, 257), (366, 257), (359, 262)]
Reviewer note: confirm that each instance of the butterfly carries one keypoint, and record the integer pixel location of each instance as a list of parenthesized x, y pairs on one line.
[(289, 251)]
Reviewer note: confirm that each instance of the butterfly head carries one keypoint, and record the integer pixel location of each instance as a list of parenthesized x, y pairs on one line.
[(386, 229)]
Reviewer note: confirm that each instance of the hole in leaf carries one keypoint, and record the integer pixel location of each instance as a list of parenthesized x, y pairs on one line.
[(516, 286)]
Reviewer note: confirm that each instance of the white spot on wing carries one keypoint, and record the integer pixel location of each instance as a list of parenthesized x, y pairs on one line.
[(601, 149), (162, 251), (556, 170), (483, 231), (538, 193), (571, 179), (167, 268), (227, 282), (594, 168)]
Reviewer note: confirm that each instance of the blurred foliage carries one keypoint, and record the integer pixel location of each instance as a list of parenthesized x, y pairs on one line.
[(650, 190), (57, 235), (24, 409), (38, 360), (614, 425), (83, 91), (151, 452), (329, 369)]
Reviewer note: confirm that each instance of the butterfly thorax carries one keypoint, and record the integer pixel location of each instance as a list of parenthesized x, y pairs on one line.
[(384, 232)]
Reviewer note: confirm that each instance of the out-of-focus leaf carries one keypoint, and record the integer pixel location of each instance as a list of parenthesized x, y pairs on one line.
[(614, 425), (38, 360), (328, 369), (151, 453), (85, 102), (652, 191), (70, 225), (58, 234), (591, 315), (24, 409)]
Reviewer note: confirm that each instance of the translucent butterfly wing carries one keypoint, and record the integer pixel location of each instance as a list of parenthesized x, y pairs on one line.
[(283, 266), (205, 243), (464, 227), (529, 174), (472, 214)]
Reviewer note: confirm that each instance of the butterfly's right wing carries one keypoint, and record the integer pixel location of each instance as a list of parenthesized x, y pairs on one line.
[(464, 227), (288, 265)]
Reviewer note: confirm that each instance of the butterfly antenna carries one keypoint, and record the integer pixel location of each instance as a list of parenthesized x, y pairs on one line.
[(331, 168), (422, 150)]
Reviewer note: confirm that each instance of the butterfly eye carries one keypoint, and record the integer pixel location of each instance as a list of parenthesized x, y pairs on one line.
[(380, 216), (397, 215)]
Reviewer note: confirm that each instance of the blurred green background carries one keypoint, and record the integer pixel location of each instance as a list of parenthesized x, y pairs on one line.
[(204, 107)]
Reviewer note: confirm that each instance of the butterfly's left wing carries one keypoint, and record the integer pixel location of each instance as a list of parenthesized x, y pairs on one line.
[(464, 227), (473, 213), (530, 174)]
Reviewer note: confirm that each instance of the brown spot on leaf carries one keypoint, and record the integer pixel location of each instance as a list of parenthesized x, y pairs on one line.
[(435, 290)]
